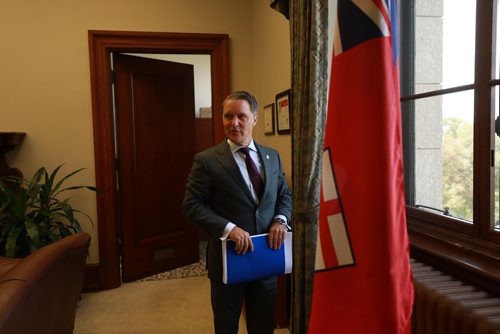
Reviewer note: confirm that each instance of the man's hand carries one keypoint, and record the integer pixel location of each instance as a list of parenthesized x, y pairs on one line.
[(242, 240), (277, 233)]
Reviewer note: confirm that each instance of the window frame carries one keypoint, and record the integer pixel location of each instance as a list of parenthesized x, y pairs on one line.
[(468, 250)]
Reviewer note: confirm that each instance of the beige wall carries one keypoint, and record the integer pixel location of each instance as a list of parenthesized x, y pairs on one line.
[(44, 71), (272, 71)]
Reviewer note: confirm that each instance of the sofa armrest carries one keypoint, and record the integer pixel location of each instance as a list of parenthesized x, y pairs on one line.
[(40, 293), (6, 264)]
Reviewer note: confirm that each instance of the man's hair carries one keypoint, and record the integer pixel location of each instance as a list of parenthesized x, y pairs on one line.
[(243, 95)]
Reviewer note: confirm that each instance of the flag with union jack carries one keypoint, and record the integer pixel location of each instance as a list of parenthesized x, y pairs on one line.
[(362, 282)]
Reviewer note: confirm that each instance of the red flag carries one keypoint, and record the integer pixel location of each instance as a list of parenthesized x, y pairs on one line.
[(362, 282)]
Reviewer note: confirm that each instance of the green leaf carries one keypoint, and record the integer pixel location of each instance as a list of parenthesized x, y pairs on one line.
[(33, 233), (59, 184), (35, 180), (50, 181), (32, 215), (12, 241)]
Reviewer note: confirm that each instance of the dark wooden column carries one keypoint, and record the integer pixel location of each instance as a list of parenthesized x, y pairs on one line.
[(9, 140)]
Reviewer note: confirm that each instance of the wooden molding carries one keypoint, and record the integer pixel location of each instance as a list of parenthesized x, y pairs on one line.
[(8, 141), (469, 259), (102, 44)]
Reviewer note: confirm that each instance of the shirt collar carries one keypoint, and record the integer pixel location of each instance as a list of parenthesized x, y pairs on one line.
[(235, 147)]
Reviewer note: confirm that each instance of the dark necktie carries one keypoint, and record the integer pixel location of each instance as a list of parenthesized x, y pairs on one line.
[(252, 172)]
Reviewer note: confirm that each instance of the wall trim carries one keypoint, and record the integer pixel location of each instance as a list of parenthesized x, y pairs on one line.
[(101, 45)]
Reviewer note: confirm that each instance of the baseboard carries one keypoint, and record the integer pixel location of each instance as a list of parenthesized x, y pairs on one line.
[(92, 280)]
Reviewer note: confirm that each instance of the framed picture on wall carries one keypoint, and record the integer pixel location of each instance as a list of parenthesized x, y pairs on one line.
[(283, 104), (269, 119)]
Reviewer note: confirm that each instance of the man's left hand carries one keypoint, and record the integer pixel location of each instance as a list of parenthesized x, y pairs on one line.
[(277, 233)]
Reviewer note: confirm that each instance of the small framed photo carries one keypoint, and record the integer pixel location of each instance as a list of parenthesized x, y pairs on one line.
[(283, 107), (269, 119)]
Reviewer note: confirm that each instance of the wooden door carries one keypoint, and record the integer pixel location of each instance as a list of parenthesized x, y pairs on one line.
[(155, 144)]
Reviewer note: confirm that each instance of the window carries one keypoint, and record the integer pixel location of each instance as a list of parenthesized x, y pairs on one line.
[(449, 101)]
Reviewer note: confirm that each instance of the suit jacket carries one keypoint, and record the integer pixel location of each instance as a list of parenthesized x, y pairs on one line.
[(216, 193)]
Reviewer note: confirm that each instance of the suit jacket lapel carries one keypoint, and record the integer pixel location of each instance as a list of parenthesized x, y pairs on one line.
[(226, 159), (266, 164)]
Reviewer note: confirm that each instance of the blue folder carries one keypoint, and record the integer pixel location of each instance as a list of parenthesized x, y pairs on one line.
[(262, 262)]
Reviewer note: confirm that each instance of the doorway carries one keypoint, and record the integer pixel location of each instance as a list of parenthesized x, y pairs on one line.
[(107, 273), (155, 136)]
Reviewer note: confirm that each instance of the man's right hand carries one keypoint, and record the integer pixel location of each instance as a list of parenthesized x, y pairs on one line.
[(242, 240)]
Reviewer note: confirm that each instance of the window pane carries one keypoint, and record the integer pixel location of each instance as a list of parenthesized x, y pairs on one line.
[(444, 43), (444, 154)]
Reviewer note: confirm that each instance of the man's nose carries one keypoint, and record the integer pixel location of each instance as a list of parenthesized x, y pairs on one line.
[(234, 121)]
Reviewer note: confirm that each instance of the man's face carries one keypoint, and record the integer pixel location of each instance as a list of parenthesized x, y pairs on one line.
[(238, 121)]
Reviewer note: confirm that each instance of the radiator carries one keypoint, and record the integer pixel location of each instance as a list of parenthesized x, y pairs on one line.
[(446, 305)]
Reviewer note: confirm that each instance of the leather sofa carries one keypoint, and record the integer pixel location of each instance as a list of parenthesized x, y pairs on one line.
[(40, 293)]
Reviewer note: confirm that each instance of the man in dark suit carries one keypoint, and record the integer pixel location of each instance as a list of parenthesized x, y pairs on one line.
[(228, 201)]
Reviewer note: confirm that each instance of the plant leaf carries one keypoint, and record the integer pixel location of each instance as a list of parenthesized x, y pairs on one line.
[(12, 241), (59, 184), (31, 215), (34, 234)]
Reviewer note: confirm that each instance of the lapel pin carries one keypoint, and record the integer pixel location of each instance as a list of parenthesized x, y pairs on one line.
[(267, 157)]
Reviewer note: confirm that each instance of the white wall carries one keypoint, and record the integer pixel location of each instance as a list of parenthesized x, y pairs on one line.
[(202, 76)]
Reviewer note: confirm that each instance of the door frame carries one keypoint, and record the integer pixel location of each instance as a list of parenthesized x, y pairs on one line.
[(106, 274)]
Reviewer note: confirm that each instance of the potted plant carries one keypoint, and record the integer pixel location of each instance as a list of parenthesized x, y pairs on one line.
[(32, 214)]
